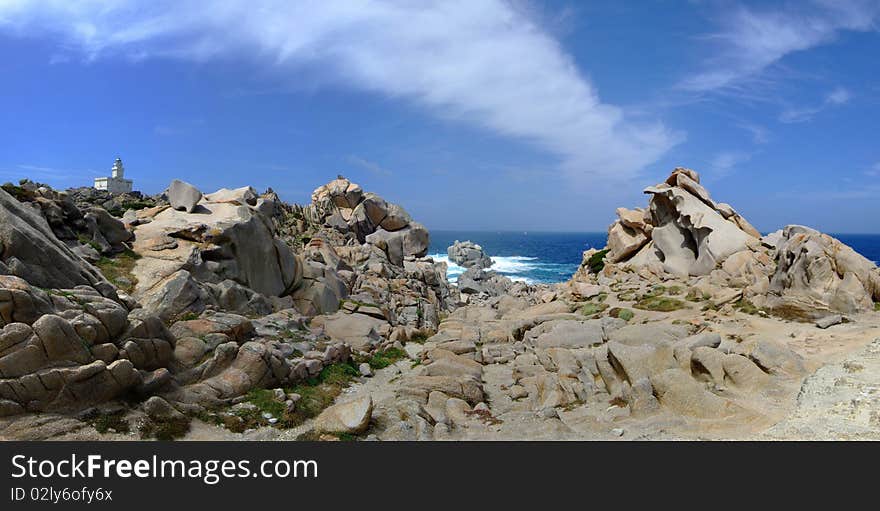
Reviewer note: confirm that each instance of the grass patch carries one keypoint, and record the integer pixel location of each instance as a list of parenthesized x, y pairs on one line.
[(165, 430), (877, 306), (627, 296), (596, 262), (85, 240), (110, 423), (694, 295), (316, 394), (118, 269), (659, 303), (384, 358), (744, 305), (419, 338), (656, 290), (590, 309), (624, 314), (265, 402), (674, 290)]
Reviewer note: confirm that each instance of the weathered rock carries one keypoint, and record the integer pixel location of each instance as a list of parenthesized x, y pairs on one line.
[(817, 274), (183, 196), (30, 250), (468, 254), (352, 417), (159, 409)]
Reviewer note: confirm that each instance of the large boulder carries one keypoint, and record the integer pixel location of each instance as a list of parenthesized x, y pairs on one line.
[(183, 196), (226, 240), (30, 250), (412, 240), (468, 254), (816, 274), (343, 206), (351, 417)]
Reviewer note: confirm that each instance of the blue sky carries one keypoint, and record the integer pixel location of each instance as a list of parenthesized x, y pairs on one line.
[(521, 115)]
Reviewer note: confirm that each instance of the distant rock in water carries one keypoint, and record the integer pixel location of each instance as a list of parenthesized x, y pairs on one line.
[(468, 254)]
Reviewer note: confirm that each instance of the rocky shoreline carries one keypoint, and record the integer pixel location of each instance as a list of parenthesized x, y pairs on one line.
[(234, 315)]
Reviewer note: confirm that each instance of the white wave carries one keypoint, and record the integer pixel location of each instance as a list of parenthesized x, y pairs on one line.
[(512, 265)]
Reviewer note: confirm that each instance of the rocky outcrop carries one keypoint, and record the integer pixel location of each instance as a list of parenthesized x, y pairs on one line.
[(468, 254), (65, 349), (182, 254), (478, 281), (29, 249), (683, 231), (817, 275), (344, 207)]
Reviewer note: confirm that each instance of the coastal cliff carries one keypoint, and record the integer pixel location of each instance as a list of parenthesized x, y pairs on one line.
[(236, 315)]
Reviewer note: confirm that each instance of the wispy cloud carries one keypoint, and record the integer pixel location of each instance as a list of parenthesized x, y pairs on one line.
[(874, 171), (371, 166), (837, 97), (753, 40), (760, 134), (726, 162), (486, 63)]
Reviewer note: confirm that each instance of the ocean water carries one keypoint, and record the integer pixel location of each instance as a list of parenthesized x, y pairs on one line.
[(548, 257)]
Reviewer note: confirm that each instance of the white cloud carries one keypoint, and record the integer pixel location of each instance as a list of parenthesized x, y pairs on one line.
[(483, 62), (726, 162), (753, 40), (371, 166), (837, 97)]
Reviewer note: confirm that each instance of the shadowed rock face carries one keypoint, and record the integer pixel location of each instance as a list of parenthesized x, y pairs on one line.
[(225, 237), (30, 250), (343, 206), (468, 254), (684, 230), (817, 274)]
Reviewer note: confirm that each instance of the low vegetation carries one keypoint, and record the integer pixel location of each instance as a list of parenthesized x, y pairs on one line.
[(596, 262), (744, 305), (164, 430), (591, 309), (620, 313), (695, 295), (316, 394), (660, 304), (384, 358), (110, 423), (117, 269)]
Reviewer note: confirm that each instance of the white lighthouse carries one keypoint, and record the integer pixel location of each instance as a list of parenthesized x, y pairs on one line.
[(116, 183)]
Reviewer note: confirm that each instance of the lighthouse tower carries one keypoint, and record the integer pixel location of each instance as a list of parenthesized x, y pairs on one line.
[(116, 183)]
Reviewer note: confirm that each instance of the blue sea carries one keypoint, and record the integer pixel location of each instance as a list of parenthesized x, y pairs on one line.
[(548, 257)]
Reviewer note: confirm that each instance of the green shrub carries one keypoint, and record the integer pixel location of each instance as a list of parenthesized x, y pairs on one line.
[(624, 314), (659, 303), (744, 305), (590, 309), (596, 262), (120, 266), (383, 359)]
